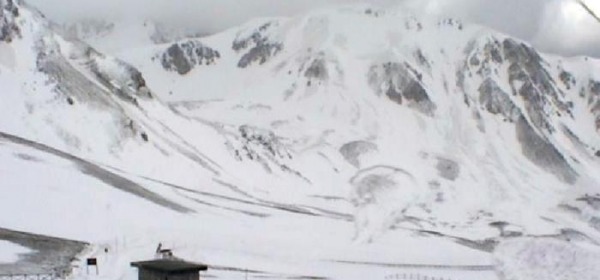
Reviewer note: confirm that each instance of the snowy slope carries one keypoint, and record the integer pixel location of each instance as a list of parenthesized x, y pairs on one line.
[(475, 112), (295, 147), (10, 252), (112, 35)]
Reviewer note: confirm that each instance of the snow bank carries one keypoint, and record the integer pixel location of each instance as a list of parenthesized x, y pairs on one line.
[(9, 252)]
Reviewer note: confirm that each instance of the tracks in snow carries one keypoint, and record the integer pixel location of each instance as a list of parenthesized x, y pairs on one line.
[(100, 173)]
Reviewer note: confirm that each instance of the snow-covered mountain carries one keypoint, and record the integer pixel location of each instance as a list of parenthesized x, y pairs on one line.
[(457, 107), (305, 147), (116, 35)]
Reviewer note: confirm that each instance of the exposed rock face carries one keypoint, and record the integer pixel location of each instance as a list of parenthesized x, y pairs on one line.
[(8, 27), (587, 209), (258, 46), (530, 80), (567, 79), (595, 89), (402, 84), (530, 83), (592, 201), (317, 70), (447, 169), (265, 139), (482, 60), (527, 77), (543, 153), (183, 56), (496, 101), (450, 22), (320, 68), (352, 151), (421, 59), (265, 148), (594, 101)]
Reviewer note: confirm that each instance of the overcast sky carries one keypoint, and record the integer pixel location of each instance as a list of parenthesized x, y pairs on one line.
[(557, 26)]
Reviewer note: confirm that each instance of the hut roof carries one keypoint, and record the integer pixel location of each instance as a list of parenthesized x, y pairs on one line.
[(169, 265)]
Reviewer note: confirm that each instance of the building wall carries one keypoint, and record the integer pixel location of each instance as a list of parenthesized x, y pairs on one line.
[(145, 274), (185, 276)]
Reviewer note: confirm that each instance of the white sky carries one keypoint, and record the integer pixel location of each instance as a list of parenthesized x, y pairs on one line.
[(557, 26)]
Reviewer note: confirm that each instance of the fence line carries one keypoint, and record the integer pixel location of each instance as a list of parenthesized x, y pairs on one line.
[(425, 266), (21, 276), (414, 276)]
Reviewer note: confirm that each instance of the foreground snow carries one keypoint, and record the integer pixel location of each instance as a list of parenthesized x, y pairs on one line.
[(549, 259), (249, 236), (9, 252)]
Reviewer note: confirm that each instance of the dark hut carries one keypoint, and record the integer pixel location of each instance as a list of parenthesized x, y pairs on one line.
[(168, 269)]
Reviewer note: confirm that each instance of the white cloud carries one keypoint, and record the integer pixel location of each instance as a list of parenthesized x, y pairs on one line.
[(556, 26), (559, 26), (568, 29)]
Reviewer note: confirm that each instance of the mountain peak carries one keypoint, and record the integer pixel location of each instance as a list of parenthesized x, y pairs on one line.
[(8, 28)]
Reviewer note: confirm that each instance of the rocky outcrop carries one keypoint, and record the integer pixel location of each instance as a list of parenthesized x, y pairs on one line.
[(182, 57), (263, 147), (352, 151), (450, 22), (447, 168), (402, 84), (530, 80), (543, 153), (264, 139), (567, 79), (320, 68), (531, 85), (527, 76), (496, 101), (317, 70), (257, 47), (594, 101), (8, 27)]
